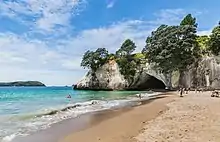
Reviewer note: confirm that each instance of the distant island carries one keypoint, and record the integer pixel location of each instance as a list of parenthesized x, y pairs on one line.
[(22, 83)]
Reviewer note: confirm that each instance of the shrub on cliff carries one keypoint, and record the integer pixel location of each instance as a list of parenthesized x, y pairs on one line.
[(203, 44)]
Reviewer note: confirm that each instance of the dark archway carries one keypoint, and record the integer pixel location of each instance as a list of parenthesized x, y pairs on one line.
[(150, 83)]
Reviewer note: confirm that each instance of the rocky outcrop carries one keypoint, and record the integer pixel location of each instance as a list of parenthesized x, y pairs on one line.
[(108, 77), (204, 73)]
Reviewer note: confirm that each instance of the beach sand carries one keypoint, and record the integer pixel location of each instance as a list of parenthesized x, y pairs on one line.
[(193, 118), (121, 125)]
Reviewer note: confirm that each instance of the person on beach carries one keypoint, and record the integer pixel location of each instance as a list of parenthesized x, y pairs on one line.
[(186, 90), (181, 92)]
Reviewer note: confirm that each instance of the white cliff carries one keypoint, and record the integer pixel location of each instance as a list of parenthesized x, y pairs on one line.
[(108, 77), (205, 73)]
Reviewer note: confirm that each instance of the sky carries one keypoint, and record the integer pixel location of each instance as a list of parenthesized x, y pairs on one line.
[(44, 40)]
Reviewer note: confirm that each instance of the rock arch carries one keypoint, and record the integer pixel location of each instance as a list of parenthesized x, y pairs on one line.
[(147, 83)]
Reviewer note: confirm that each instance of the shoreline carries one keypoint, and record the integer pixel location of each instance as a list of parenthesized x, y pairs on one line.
[(126, 125), (68, 129)]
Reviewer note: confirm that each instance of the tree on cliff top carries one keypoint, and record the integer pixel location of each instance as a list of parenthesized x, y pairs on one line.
[(189, 20), (94, 59), (125, 59), (173, 48), (214, 42), (127, 48)]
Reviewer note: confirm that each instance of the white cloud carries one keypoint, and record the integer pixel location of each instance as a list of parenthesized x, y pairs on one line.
[(25, 59), (58, 62), (173, 16), (44, 15), (110, 3)]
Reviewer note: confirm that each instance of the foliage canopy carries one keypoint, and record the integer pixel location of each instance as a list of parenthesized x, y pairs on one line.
[(214, 42), (172, 48), (94, 60)]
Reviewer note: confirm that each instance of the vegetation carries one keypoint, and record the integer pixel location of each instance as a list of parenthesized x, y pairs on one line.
[(94, 60), (203, 44), (22, 83), (125, 59), (126, 49), (214, 42), (189, 20), (168, 48), (173, 48)]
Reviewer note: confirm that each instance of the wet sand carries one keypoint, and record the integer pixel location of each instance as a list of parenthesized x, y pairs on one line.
[(121, 125)]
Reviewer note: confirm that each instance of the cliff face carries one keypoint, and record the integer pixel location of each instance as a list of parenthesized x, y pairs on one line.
[(108, 77), (204, 73)]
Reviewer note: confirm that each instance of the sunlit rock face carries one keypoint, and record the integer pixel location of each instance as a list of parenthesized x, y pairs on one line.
[(108, 77), (204, 73)]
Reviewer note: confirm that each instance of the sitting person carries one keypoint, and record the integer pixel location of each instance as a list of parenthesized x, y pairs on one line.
[(215, 93)]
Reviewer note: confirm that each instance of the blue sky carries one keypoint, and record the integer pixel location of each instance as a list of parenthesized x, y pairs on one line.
[(45, 39)]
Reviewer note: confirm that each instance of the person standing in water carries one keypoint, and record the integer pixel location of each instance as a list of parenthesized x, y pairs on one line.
[(69, 96)]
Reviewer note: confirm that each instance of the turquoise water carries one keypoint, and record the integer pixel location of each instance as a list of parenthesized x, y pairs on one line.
[(24, 110)]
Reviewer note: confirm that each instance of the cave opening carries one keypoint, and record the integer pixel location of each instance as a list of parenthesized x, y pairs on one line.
[(151, 83)]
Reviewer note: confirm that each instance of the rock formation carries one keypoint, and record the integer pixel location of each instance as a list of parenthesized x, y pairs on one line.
[(108, 77), (204, 73)]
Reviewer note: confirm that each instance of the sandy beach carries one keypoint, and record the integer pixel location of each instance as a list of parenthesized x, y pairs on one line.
[(122, 125), (193, 118)]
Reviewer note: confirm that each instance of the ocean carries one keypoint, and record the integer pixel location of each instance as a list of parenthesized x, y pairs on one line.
[(25, 110)]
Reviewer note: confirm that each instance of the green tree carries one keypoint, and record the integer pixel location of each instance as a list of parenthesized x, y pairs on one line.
[(127, 48), (161, 48), (214, 42), (87, 60), (189, 20), (125, 59), (94, 60), (173, 48)]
